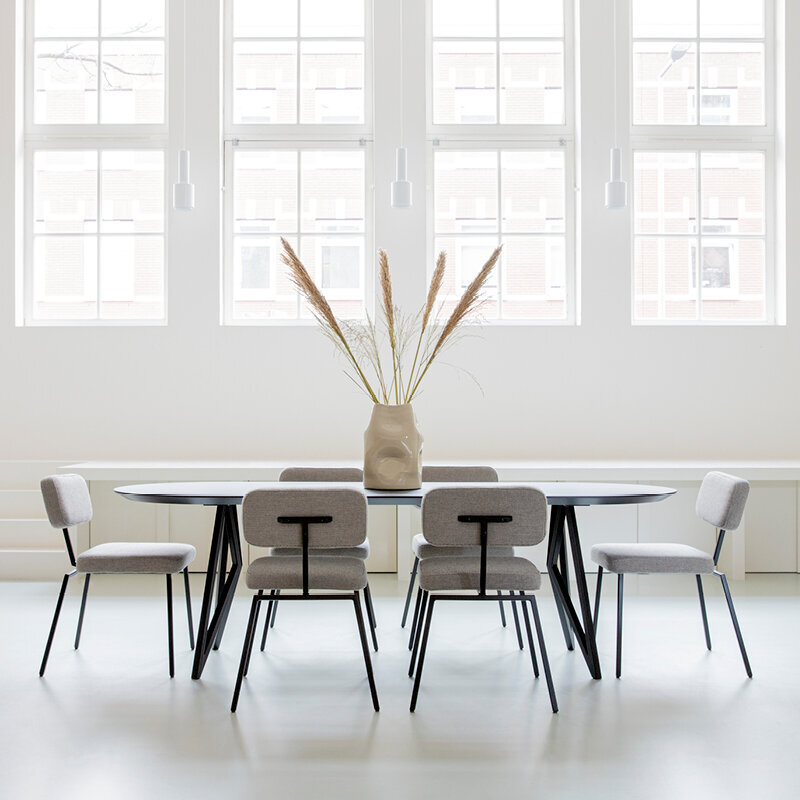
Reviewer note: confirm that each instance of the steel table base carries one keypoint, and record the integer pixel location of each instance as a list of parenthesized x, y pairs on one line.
[(224, 544), (563, 531)]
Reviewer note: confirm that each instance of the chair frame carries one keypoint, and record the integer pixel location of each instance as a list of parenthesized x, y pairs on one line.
[(725, 589), (62, 592), (429, 599), (260, 597)]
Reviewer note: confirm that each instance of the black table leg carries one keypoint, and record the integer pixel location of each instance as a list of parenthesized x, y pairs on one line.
[(224, 542), (583, 625), (557, 552)]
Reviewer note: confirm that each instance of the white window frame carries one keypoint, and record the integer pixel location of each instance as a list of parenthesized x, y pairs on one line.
[(709, 138), (101, 137), (501, 137), (229, 291), (297, 137)]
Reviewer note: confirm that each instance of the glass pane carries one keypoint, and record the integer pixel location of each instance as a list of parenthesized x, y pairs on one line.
[(665, 192), (532, 18), (265, 191), (465, 256), (465, 187), (657, 18), (332, 191), (733, 280), (732, 84), (532, 192), (464, 83), (534, 277), (265, 82), (65, 83), (64, 277), (124, 18), (732, 19), (57, 18), (132, 82), (65, 192), (664, 83), (332, 82), (733, 193), (132, 191), (324, 18), (464, 18), (336, 260), (261, 287), (532, 83), (664, 279), (132, 277), (268, 18)]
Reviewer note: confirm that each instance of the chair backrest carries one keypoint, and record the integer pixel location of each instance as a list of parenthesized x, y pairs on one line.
[(526, 506), (322, 474), (66, 500), (722, 499), (458, 474), (262, 507)]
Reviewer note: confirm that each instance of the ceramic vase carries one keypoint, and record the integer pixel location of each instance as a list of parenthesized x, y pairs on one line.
[(392, 449)]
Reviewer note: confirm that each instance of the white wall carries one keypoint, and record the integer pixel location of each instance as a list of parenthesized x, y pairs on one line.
[(194, 389)]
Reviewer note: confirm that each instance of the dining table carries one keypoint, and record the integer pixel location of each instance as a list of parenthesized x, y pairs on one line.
[(225, 559)]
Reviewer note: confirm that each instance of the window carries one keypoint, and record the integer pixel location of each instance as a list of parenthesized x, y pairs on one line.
[(502, 158), (95, 150), (296, 71), (703, 161)]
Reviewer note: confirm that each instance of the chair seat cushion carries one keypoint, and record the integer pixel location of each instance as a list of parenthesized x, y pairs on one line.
[(139, 557), (341, 573), (359, 551), (652, 557), (424, 549), (464, 572)]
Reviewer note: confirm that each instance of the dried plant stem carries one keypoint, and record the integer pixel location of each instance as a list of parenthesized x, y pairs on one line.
[(466, 304), (389, 316)]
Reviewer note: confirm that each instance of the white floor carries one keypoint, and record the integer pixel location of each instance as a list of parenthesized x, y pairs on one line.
[(106, 721)]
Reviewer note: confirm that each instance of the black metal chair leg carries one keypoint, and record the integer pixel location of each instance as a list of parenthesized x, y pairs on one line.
[(545, 661), (516, 624), (619, 624), (418, 633), (502, 611), (249, 636), (530, 637), (54, 624), (169, 627), (83, 608), (260, 593), (370, 610), (188, 594), (365, 649), (410, 590), (415, 619), (735, 623), (369, 618), (703, 611), (597, 596), (267, 620), (418, 677), (274, 609)]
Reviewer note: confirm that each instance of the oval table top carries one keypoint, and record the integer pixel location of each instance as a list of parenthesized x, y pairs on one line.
[(229, 493)]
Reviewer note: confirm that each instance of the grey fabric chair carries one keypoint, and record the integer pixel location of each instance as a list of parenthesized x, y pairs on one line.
[(481, 518), (67, 501), (322, 475), (422, 548), (311, 521), (721, 503)]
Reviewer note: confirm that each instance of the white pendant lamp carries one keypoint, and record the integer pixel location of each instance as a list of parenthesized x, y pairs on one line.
[(183, 190), (616, 188), (401, 186)]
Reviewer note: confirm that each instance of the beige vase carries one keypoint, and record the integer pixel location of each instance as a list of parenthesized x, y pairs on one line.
[(392, 449)]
